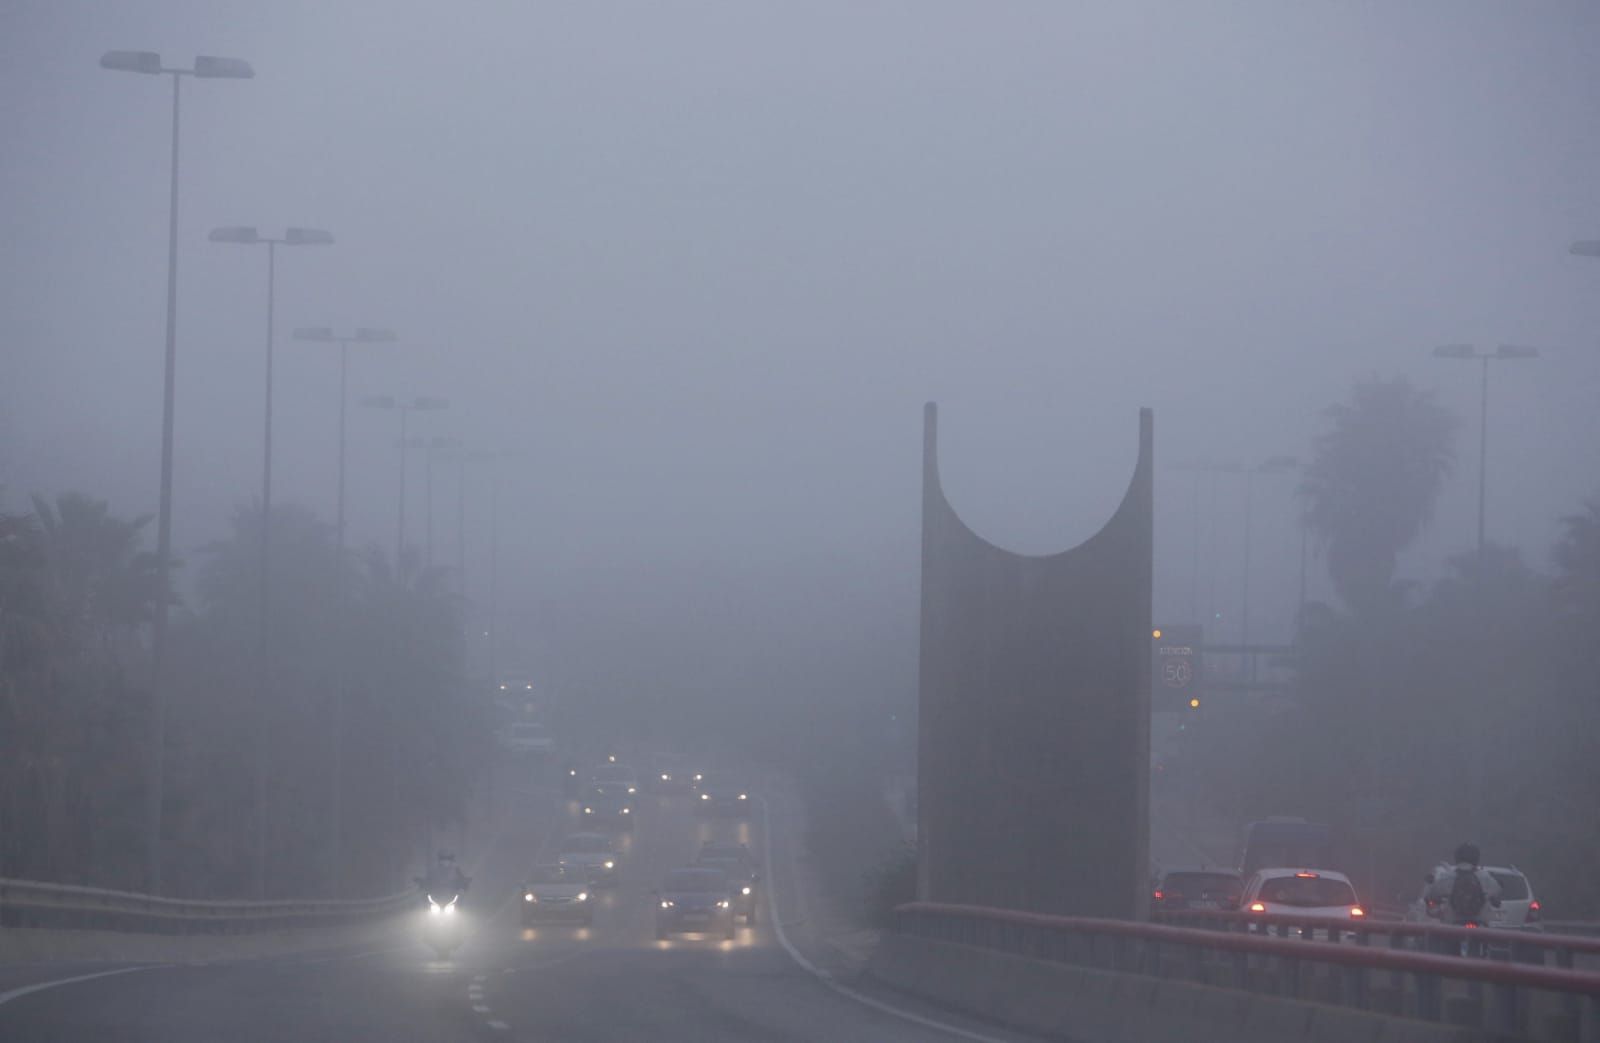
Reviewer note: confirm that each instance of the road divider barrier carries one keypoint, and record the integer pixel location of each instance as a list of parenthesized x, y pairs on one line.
[(34, 904), (1114, 980)]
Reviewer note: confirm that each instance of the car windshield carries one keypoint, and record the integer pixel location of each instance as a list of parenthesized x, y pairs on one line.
[(612, 773), (1203, 886), (586, 843), (1513, 886), (721, 784), (554, 875), (696, 881), (1305, 892), (733, 867)]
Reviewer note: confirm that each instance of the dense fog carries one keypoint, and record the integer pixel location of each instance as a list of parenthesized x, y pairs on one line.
[(689, 271)]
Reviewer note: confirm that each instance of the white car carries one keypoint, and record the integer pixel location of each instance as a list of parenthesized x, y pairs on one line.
[(526, 737), (1301, 892)]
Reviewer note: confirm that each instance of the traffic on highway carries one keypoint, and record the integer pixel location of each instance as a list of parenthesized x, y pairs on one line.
[(825, 521)]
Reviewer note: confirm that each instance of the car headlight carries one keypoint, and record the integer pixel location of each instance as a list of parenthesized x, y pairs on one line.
[(744, 796), (705, 796), (722, 903), (433, 908), (632, 790), (583, 896), (626, 810), (666, 903), (450, 909), (744, 891), (611, 865), (588, 811), (665, 777), (528, 897)]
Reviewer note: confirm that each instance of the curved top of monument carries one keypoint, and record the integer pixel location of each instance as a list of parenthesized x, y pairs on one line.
[(933, 487)]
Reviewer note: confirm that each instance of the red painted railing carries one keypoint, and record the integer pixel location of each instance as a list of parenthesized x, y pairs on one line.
[(1522, 998)]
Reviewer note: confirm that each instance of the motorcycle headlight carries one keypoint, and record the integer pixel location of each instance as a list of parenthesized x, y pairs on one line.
[(529, 897), (583, 896), (745, 891)]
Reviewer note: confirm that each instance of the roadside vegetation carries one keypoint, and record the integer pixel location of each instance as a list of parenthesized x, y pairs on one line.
[(246, 748), (1426, 714)]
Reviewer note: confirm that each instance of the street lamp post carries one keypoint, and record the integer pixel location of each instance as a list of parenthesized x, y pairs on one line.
[(421, 403), (248, 236), (1272, 465), (1502, 353), (324, 335), (429, 447), (206, 67)]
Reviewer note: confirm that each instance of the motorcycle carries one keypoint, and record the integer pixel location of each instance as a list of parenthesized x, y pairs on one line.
[(441, 928)]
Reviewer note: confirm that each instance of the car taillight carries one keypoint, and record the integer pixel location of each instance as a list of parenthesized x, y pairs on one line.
[(1357, 911), (1533, 910), (1156, 896), (1257, 907)]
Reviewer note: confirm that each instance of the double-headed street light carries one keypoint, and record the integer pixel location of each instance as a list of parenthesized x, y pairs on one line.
[(246, 235), (325, 335), (1503, 353), (421, 403), (206, 67)]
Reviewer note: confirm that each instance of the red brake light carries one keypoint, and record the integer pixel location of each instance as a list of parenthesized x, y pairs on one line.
[(1357, 911), (1257, 907), (1306, 876), (1533, 910), (1157, 896)]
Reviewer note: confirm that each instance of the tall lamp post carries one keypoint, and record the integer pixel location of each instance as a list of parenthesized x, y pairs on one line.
[(404, 407), (433, 445), (325, 335), (1503, 353), (206, 67), (246, 235)]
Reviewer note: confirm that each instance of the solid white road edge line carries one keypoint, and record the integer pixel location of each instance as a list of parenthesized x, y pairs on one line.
[(821, 974), (18, 993)]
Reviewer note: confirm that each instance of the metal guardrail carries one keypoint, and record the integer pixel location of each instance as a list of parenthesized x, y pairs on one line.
[(31, 903), (1533, 1002), (1524, 946)]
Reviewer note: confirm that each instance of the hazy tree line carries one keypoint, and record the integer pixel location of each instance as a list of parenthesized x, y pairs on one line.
[(1425, 714), (245, 747)]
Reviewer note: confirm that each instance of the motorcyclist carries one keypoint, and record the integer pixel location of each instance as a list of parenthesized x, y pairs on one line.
[(1464, 904), (444, 877)]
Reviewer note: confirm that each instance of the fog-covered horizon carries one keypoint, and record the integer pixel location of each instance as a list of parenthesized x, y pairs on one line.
[(700, 265)]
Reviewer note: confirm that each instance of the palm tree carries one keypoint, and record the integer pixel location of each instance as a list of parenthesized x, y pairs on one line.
[(100, 577), (1373, 481)]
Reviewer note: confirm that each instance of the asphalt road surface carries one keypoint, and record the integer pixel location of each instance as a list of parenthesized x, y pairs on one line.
[(611, 981)]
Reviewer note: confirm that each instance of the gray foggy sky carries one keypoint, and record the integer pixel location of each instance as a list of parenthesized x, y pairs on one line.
[(702, 264)]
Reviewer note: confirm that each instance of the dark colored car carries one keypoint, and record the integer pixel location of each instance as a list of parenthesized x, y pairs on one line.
[(722, 795), (607, 805), (743, 875), (594, 854), (1197, 889), (557, 892), (694, 900)]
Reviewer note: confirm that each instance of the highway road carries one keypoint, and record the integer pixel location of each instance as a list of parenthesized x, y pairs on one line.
[(611, 981)]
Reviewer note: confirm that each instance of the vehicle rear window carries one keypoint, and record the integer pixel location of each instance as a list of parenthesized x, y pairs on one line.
[(1307, 892), (1513, 886), (1203, 886)]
